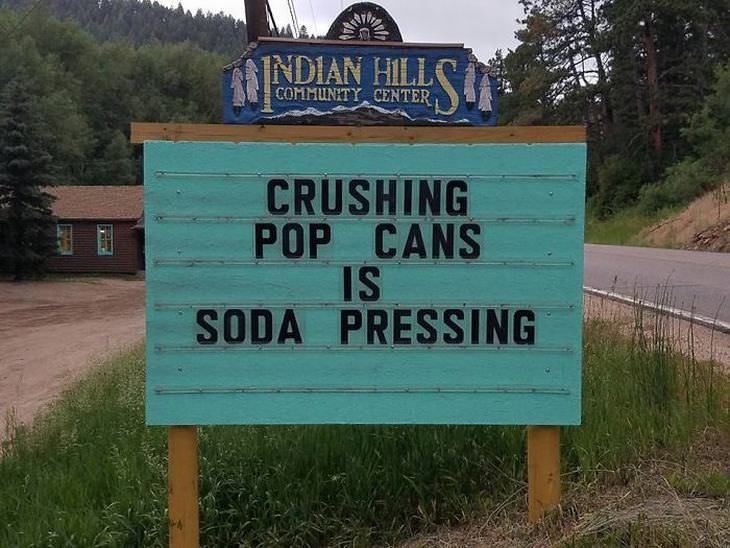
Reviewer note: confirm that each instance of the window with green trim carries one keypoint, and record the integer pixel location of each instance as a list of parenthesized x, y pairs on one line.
[(105, 239), (65, 239)]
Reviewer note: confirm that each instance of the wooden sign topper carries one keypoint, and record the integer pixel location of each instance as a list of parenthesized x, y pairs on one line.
[(362, 75)]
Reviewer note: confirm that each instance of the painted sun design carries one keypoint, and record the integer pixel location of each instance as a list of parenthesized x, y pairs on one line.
[(364, 26)]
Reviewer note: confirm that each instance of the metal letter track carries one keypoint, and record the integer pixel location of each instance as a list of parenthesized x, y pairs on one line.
[(571, 177), (354, 262), (361, 219), (235, 349), (557, 391)]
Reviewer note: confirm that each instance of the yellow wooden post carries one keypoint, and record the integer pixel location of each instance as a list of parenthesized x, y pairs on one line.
[(182, 486), (543, 470)]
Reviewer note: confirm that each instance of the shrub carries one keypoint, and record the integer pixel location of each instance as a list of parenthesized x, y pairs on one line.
[(619, 181), (683, 183)]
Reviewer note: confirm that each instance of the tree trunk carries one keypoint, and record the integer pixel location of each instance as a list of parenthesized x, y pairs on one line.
[(655, 115), (590, 26), (18, 266)]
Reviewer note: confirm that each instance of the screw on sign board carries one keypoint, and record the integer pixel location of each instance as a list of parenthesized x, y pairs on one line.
[(364, 283)]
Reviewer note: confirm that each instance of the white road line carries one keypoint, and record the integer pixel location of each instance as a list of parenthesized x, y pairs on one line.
[(691, 317)]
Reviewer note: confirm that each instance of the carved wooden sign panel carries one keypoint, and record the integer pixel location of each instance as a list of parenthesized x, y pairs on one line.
[(322, 82)]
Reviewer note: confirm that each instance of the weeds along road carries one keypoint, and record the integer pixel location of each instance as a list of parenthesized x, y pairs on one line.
[(693, 281)]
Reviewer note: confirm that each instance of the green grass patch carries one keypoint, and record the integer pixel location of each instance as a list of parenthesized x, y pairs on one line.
[(622, 228), (89, 473), (713, 483)]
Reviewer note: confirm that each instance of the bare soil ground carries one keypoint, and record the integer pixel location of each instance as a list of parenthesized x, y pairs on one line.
[(703, 225), (51, 332)]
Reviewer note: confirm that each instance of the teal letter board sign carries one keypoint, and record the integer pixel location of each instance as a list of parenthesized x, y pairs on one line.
[(364, 283)]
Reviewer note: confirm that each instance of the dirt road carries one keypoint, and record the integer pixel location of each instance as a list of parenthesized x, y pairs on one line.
[(51, 332)]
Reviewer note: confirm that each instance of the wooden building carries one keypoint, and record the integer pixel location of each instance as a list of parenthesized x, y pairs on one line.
[(100, 229)]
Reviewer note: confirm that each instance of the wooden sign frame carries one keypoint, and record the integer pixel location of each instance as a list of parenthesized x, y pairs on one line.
[(142, 131), (543, 442)]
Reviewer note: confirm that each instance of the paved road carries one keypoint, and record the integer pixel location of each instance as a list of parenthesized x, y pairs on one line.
[(692, 278)]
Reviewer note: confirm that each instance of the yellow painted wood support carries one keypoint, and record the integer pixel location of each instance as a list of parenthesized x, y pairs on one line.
[(543, 470), (182, 486)]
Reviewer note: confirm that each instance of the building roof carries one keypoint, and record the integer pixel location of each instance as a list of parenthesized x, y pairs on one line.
[(98, 202)]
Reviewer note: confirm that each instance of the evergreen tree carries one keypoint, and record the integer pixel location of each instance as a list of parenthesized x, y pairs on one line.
[(633, 71), (27, 227), (143, 22)]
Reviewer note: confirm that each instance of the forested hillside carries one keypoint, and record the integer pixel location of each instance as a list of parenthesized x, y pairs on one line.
[(650, 80), (143, 22), (85, 93)]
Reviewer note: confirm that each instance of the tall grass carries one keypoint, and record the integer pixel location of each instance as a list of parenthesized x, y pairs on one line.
[(90, 473), (622, 228)]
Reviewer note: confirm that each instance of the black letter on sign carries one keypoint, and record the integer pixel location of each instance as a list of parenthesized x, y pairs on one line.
[(319, 234), (377, 324), (456, 206), (429, 200), (347, 283), (414, 244), (289, 328), (202, 321), (328, 209), (497, 326), (442, 245), (304, 192), (286, 236), (231, 335), (407, 197), (457, 335), (264, 234), (401, 328), (476, 251), (475, 329), (350, 320), (271, 195), (364, 208), (383, 197), (259, 336), (526, 335), (367, 275), (424, 318), (379, 249)]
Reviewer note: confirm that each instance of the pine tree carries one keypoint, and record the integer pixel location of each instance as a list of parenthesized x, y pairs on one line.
[(27, 227)]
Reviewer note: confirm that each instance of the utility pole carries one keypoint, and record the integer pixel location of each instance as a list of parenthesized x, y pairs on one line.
[(256, 22)]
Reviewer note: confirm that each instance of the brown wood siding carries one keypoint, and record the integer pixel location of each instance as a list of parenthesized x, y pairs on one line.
[(127, 257)]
